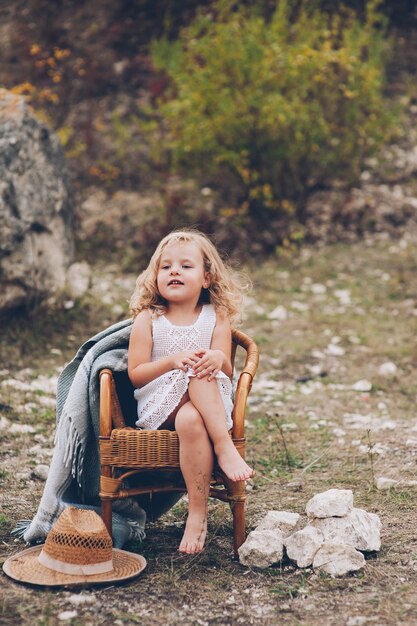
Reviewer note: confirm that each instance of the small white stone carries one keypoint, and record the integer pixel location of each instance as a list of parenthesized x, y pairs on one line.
[(411, 442), (318, 288), (299, 306), (279, 313), (21, 428), (335, 350), (330, 503), (79, 599), (18, 385), (357, 620), (78, 279), (338, 559), (4, 423), (302, 545), (387, 369), (41, 471), (362, 385), (262, 548), (47, 384), (66, 615), (279, 520), (385, 484)]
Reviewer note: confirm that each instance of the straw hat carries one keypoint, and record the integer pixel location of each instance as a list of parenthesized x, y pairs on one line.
[(77, 551)]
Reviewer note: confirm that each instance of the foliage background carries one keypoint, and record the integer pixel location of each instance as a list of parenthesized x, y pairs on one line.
[(95, 74)]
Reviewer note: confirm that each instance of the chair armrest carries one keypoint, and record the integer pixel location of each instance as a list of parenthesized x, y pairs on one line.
[(252, 352), (245, 381), (106, 379)]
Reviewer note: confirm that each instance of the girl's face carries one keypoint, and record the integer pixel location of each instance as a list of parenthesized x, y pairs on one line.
[(181, 274)]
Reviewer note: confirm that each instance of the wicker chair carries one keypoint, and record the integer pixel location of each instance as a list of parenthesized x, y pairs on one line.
[(126, 451)]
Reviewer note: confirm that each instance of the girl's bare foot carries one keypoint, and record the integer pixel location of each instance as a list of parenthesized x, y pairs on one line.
[(232, 463), (195, 534)]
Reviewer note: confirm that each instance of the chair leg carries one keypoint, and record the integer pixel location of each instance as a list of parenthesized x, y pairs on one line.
[(238, 510), (106, 514)]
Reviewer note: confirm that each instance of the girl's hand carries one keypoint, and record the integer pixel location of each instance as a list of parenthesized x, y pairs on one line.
[(182, 360), (209, 364)]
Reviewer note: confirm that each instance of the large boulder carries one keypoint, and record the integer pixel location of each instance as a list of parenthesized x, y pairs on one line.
[(36, 237)]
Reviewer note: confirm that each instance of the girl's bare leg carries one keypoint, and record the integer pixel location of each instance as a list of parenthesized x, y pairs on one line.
[(196, 461), (206, 398)]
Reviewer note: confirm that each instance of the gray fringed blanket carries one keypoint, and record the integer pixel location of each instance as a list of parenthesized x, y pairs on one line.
[(75, 467)]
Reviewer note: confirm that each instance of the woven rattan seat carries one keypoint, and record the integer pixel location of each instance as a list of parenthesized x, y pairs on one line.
[(127, 451)]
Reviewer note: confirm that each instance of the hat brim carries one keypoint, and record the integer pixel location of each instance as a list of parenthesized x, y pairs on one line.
[(25, 567)]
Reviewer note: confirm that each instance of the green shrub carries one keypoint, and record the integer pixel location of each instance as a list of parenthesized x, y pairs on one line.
[(273, 107)]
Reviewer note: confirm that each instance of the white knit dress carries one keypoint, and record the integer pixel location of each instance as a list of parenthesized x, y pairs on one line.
[(158, 399)]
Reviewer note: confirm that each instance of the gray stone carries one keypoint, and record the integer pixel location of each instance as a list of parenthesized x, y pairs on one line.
[(330, 503), (338, 559), (284, 521), (303, 545), (78, 279), (358, 529), (262, 548), (36, 239), (385, 484), (41, 471)]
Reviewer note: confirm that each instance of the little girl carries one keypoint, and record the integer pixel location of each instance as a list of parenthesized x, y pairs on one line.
[(180, 363)]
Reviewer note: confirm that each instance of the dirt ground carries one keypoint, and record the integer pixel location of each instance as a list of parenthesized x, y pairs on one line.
[(343, 312)]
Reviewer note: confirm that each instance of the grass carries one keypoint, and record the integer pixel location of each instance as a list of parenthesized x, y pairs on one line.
[(298, 440)]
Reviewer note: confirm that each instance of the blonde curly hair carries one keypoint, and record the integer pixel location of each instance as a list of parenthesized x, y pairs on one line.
[(226, 286)]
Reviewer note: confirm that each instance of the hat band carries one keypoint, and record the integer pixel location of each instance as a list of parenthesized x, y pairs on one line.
[(74, 568)]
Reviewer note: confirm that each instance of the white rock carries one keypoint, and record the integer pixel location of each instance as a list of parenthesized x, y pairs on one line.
[(78, 279), (384, 484), (411, 442), (21, 428), (4, 423), (359, 529), (262, 548), (299, 306), (18, 385), (41, 471), (330, 503), (81, 598), (387, 369), (302, 545), (362, 385), (66, 615), (279, 520), (338, 559), (334, 350), (47, 384), (318, 288), (279, 313), (357, 620), (343, 295)]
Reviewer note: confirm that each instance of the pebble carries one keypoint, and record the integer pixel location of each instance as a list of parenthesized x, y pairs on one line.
[(387, 369), (41, 471), (81, 598), (362, 385), (384, 484), (21, 428), (4, 423), (279, 313), (335, 350), (66, 615)]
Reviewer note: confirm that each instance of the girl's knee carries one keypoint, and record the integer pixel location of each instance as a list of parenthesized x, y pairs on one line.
[(188, 420)]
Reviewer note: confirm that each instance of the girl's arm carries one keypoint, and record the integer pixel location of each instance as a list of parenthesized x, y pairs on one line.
[(140, 368), (219, 357)]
